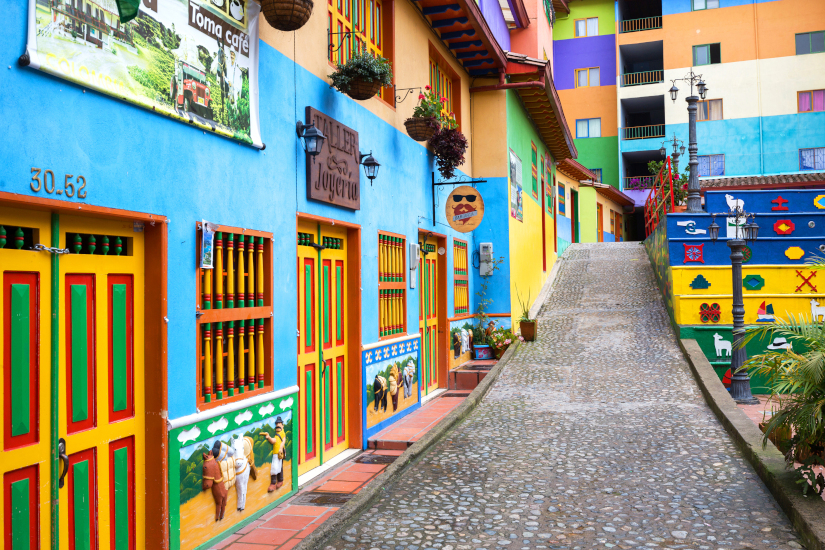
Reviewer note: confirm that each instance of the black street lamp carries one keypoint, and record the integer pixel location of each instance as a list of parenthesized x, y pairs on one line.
[(694, 201), (370, 166), (677, 151), (312, 138), (746, 232)]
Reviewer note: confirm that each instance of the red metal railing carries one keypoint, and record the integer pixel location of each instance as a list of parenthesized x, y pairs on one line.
[(660, 200)]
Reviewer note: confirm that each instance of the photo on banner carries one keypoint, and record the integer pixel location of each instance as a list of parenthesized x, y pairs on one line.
[(195, 61), (516, 199)]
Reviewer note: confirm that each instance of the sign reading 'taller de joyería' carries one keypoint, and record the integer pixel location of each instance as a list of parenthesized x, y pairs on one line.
[(333, 176)]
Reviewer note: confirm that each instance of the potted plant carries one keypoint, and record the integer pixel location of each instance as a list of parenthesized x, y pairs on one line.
[(287, 15), (424, 122), (797, 374), (448, 145), (362, 75), (500, 339), (527, 326)]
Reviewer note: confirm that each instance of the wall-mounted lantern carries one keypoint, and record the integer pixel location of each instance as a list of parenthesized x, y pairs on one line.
[(370, 166), (311, 137)]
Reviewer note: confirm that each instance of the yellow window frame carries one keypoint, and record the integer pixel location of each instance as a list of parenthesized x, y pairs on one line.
[(362, 18), (586, 70)]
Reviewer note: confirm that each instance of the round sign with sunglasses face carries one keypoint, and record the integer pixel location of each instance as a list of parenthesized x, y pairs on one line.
[(465, 209)]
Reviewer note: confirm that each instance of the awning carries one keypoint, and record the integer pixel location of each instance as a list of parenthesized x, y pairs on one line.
[(462, 28), (576, 170), (801, 179)]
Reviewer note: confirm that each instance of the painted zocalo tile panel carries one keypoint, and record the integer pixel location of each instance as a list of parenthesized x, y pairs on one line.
[(689, 310), (775, 201), (757, 280)]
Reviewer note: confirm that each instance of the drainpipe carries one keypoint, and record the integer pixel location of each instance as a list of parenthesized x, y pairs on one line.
[(502, 85)]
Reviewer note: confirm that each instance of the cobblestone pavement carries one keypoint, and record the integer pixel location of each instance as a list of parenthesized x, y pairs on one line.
[(595, 436)]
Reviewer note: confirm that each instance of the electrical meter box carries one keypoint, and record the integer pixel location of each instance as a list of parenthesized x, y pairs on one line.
[(485, 253)]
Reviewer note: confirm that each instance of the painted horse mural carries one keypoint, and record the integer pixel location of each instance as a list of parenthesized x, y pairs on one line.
[(244, 463)]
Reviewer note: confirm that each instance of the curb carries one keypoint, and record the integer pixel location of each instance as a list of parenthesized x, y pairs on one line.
[(368, 495), (807, 515)]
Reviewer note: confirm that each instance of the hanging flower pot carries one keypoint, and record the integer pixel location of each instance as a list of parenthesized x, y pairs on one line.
[(362, 76), (421, 128), (287, 15), (448, 145)]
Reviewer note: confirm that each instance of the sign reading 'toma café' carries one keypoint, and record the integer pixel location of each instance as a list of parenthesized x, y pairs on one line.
[(333, 175)]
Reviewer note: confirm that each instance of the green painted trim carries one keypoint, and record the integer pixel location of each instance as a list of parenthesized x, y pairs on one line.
[(80, 354), (321, 364), (82, 505), (119, 347), (20, 359), (20, 515), (338, 290), (55, 377), (121, 498), (326, 405)]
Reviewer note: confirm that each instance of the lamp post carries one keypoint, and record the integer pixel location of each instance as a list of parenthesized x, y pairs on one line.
[(694, 201), (746, 232), (677, 151)]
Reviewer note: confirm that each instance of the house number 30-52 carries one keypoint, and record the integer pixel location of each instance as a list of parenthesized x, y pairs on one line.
[(44, 179)]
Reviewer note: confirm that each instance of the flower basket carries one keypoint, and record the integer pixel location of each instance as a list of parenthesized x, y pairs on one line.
[(421, 128), (361, 90), (287, 15)]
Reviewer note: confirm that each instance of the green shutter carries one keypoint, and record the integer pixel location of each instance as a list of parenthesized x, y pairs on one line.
[(80, 355), (20, 514), (82, 505), (121, 498), (119, 348), (308, 305), (20, 359)]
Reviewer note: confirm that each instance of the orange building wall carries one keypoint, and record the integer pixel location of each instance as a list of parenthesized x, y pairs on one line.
[(598, 101)]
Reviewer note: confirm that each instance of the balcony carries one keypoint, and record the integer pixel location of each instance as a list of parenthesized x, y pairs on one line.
[(638, 183), (637, 176), (641, 63), (642, 132), (643, 77), (641, 24)]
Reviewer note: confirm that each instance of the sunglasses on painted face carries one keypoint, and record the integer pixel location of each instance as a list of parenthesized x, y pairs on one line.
[(468, 198)]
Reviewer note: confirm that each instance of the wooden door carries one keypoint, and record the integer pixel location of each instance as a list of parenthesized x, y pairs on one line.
[(322, 344), (600, 221), (96, 393), (428, 318)]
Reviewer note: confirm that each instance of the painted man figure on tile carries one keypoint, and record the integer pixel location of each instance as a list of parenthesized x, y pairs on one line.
[(278, 454), (395, 379), (409, 375)]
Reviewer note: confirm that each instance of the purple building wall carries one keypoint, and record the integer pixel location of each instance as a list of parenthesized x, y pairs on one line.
[(580, 53), (492, 13)]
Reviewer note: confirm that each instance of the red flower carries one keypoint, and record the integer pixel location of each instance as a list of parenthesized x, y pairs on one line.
[(443, 100), (420, 96), (427, 88)]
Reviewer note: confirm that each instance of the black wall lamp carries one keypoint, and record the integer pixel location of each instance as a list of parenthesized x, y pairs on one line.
[(370, 166), (311, 137)]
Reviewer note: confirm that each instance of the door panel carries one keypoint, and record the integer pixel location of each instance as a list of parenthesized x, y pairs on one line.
[(322, 303), (101, 416), (428, 314), (25, 298)]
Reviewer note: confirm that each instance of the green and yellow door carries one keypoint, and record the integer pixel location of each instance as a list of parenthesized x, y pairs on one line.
[(322, 343), (428, 318), (72, 400)]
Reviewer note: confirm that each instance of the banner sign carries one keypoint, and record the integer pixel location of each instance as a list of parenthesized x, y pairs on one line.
[(516, 199), (333, 176), (195, 61), (464, 209)]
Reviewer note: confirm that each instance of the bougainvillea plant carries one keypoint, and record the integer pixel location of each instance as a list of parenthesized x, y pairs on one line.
[(361, 66), (449, 145)]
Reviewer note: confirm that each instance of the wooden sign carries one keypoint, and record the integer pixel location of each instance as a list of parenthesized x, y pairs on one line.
[(465, 209), (333, 176)]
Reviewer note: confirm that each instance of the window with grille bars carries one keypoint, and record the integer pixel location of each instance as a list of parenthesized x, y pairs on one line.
[(711, 165), (444, 82), (365, 20), (812, 159), (461, 290), (534, 157), (235, 316), (392, 285)]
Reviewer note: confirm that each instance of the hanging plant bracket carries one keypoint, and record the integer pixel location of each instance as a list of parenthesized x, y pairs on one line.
[(463, 180), (343, 34), (408, 91)]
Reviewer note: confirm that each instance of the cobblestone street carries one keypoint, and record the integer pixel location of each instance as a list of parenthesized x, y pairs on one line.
[(595, 436)]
